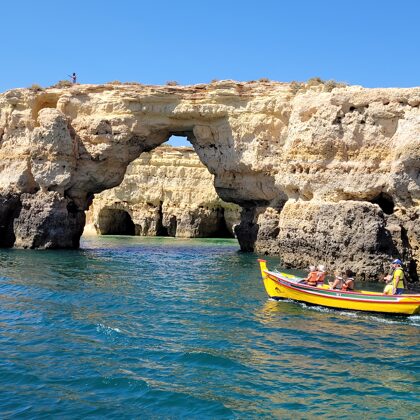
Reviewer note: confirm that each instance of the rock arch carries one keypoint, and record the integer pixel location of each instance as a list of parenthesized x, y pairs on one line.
[(168, 192), (291, 158)]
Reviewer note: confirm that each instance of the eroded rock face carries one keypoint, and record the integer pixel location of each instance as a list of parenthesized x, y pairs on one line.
[(48, 220), (166, 192), (301, 163), (336, 232)]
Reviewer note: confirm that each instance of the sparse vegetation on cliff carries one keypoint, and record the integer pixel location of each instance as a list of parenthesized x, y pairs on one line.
[(314, 81), (295, 87), (331, 84), (117, 82), (327, 85), (36, 88), (62, 84)]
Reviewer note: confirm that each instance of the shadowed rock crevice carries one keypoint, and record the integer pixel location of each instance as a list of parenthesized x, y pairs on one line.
[(221, 229), (169, 226), (385, 202), (10, 207), (115, 222), (411, 266), (160, 229)]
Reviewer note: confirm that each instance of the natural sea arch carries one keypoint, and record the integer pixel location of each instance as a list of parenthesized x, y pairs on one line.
[(167, 193), (304, 164), (64, 218)]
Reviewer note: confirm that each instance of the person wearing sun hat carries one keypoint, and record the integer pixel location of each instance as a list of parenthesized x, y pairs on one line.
[(321, 275), (396, 281), (311, 280)]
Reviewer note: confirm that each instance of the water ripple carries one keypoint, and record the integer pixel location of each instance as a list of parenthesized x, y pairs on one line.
[(155, 328)]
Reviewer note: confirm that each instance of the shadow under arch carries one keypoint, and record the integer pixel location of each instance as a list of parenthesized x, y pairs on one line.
[(208, 217)]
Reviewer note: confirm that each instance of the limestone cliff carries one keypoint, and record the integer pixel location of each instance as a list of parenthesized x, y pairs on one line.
[(164, 192), (321, 173)]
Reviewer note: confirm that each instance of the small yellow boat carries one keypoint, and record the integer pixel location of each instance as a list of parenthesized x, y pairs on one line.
[(287, 286)]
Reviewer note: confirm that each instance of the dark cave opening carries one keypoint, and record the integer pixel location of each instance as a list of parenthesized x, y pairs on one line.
[(221, 230), (115, 222), (169, 230), (385, 202), (9, 211)]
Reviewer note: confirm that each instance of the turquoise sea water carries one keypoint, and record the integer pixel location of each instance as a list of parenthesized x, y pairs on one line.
[(168, 328)]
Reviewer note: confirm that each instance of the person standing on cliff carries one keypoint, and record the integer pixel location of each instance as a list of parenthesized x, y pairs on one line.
[(73, 78)]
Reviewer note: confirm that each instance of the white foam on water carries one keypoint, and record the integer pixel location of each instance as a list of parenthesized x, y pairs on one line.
[(349, 314), (383, 320), (414, 320), (316, 308), (411, 320), (107, 329)]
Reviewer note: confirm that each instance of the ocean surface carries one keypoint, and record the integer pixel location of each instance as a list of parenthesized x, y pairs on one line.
[(164, 328)]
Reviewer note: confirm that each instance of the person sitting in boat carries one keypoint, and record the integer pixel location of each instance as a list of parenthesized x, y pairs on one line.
[(348, 281), (312, 278), (316, 276), (321, 275), (338, 281), (395, 281)]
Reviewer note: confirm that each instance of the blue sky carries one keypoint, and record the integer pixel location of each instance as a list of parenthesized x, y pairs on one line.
[(371, 43)]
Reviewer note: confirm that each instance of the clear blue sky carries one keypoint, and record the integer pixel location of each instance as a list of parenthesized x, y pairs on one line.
[(371, 43)]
